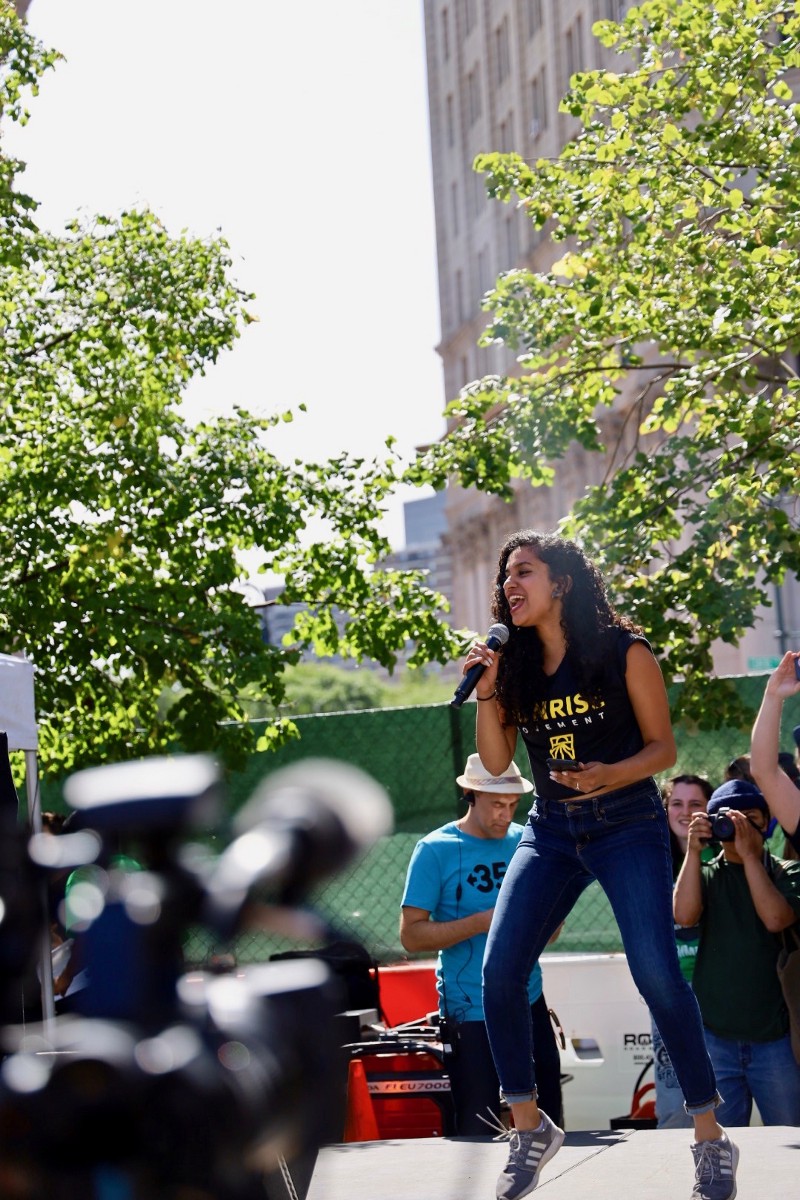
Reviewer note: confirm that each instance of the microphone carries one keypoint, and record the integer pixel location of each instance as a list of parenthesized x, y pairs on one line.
[(495, 638)]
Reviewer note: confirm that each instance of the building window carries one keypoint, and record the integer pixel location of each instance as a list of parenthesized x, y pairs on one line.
[(470, 15), (465, 377), (459, 284), (512, 240), (614, 10), (454, 207), (534, 17), (445, 34), (506, 134), (451, 121), (575, 47), (535, 236), (478, 193), (484, 273), (502, 51), (538, 104), (474, 102)]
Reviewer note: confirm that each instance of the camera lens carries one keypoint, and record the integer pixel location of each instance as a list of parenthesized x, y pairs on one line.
[(723, 828)]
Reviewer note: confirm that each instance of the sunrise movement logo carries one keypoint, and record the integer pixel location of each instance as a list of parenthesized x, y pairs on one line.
[(562, 746)]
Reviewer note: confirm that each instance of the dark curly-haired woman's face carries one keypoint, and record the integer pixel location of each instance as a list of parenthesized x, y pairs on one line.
[(529, 588)]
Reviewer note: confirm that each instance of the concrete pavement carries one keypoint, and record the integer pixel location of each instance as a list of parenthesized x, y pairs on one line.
[(591, 1165)]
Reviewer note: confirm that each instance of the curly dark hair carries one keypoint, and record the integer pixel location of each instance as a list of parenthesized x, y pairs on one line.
[(587, 618)]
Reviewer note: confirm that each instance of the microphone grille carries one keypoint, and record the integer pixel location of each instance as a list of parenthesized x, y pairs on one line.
[(499, 632)]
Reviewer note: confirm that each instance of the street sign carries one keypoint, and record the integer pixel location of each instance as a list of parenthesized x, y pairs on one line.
[(766, 662)]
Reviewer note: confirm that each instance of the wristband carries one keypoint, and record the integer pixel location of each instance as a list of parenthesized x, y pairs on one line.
[(489, 697)]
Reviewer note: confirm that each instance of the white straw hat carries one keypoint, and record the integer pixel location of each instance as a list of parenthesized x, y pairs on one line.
[(477, 779)]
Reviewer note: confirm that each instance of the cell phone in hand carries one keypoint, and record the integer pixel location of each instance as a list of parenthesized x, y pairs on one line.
[(797, 668), (563, 764)]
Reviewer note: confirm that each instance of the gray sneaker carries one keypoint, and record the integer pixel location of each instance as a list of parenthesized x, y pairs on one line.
[(715, 1169), (530, 1150)]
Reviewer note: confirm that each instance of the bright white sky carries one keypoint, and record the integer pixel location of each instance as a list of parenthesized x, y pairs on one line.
[(301, 132)]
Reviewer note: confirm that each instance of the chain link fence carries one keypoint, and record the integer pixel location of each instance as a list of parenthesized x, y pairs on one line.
[(416, 753)]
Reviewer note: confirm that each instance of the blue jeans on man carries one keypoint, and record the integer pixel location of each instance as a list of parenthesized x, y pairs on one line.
[(764, 1072)]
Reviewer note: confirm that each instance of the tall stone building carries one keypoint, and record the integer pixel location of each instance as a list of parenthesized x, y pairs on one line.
[(422, 550), (497, 70)]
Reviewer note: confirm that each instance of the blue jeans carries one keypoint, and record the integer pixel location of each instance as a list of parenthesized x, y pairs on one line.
[(622, 840), (762, 1071), (670, 1112)]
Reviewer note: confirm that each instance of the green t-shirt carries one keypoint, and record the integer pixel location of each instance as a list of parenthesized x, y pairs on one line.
[(687, 937), (687, 941), (735, 979)]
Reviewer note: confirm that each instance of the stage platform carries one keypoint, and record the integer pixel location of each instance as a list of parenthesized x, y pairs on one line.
[(647, 1164)]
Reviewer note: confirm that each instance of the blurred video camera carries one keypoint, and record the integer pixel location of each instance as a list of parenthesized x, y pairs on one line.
[(166, 1084)]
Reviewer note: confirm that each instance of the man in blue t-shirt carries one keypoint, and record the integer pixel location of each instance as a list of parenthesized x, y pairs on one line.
[(451, 888)]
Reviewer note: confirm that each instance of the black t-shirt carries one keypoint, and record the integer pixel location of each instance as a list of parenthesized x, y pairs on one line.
[(564, 724)]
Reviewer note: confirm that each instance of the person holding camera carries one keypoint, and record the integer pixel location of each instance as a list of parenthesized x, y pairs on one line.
[(765, 765), (741, 901), (451, 885)]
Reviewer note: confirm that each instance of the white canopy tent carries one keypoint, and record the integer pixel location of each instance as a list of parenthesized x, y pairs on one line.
[(17, 709), (18, 719)]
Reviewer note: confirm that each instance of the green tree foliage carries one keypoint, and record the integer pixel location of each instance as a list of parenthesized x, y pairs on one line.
[(678, 209), (324, 688), (318, 687), (122, 525)]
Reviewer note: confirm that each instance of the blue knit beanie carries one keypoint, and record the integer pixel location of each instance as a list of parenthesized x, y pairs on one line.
[(737, 793)]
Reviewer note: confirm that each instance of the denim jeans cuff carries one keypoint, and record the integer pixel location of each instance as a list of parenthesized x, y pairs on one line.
[(518, 1097), (696, 1110)]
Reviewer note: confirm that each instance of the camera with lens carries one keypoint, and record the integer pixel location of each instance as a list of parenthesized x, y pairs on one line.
[(722, 827), (166, 1083)]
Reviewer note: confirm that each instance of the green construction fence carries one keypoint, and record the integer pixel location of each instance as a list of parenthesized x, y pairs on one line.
[(416, 754)]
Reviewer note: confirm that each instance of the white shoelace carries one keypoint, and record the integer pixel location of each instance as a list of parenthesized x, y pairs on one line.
[(512, 1135), (501, 1134), (711, 1158)]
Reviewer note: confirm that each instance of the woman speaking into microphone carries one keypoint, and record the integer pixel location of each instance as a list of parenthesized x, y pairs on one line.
[(580, 683)]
